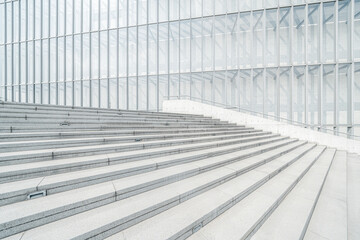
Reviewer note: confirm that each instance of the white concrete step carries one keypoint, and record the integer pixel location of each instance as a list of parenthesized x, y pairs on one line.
[(67, 152), (61, 143), (18, 191), (329, 219), (113, 217), (59, 108), (353, 196), (239, 220), (100, 127), (12, 137), (24, 215), (291, 217)]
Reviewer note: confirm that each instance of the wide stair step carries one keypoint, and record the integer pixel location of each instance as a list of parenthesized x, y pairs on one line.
[(85, 173)]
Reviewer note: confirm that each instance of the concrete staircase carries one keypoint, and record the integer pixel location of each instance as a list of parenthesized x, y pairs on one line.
[(84, 173)]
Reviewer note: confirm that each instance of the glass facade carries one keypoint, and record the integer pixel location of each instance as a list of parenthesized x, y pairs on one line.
[(294, 59)]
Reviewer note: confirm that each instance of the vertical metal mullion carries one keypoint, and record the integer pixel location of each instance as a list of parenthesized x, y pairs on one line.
[(336, 67), (127, 55), (117, 55), (137, 55), (168, 47), (41, 51), (306, 63), (264, 44), (99, 61), (48, 82), (158, 61), (81, 54), (57, 53), (147, 55), (320, 57), (350, 129), (12, 51), (73, 55), (90, 54), (190, 60), (19, 51), (108, 55), (213, 54), (179, 64)]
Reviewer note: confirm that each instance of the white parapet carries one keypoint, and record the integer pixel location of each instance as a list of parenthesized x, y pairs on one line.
[(192, 107)]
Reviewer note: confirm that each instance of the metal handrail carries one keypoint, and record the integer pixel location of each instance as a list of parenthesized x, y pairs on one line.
[(276, 118)]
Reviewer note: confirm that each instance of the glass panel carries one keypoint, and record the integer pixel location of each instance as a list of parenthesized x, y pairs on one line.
[(285, 92), (185, 46), (245, 40), (163, 48), (142, 89), (284, 26), (271, 37), (343, 92), (184, 9), (299, 35), (69, 16), (174, 6), (357, 95), (328, 94), (86, 56), (163, 10), (104, 14), (132, 12), (258, 90), (207, 41), (94, 15), (143, 11), (220, 7), (329, 32), (208, 7), (185, 84), (122, 54), (77, 93), (95, 55), (196, 8), (152, 49), (112, 53), (174, 47), (113, 93), (113, 5), (344, 30), (232, 41), (174, 85), (122, 14), (356, 29), (132, 51), (258, 38), (219, 87), (313, 94), (86, 15), (104, 93), (122, 93), (298, 94), (94, 93), (153, 93), (196, 45), (132, 93), (69, 58), (196, 85), (69, 93), (86, 93), (271, 92), (103, 54), (77, 57), (220, 43), (153, 6), (163, 89), (313, 33)]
